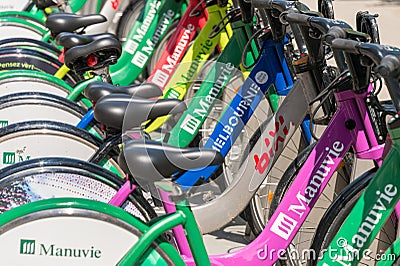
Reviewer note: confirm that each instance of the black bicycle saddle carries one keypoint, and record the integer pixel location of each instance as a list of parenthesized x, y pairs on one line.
[(120, 111), (67, 22), (43, 4), (97, 54), (150, 160), (96, 90), (69, 40)]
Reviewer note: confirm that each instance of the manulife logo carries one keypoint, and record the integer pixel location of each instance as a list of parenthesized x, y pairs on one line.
[(27, 246), (3, 123), (9, 157), (12, 157), (30, 247)]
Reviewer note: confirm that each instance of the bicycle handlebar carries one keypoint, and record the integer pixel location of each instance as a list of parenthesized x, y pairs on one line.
[(389, 67), (324, 25), (374, 51), (386, 59), (280, 5), (349, 46)]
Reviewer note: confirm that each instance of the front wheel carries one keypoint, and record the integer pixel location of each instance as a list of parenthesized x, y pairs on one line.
[(40, 139), (337, 214), (58, 231), (46, 178), (257, 211)]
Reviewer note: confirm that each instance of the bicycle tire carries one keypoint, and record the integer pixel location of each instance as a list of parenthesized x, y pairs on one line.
[(74, 177), (26, 16), (33, 106), (371, 29), (325, 7), (338, 212), (40, 139), (20, 28), (67, 218), (286, 181), (33, 81), (22, 59), (31, 43)]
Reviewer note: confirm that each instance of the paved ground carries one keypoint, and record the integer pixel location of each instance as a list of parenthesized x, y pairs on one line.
[(233, 236)]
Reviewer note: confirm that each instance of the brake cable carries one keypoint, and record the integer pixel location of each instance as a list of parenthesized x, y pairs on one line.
[(322, 97)]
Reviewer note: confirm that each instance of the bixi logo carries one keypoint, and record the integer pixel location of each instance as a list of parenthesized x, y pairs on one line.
[(27, 246)]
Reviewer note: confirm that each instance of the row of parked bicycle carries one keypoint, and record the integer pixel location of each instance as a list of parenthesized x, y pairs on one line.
[(204, 111)]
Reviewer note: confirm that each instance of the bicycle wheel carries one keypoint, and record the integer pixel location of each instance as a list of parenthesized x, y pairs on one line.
[(29, 81), (367, 23), (65, 231), (20, 28), (227, 172), (338, 181), (29, 59), (338, 212), (33, 106), (40, 46), (39, 139), (129, 17), (257, 212), (45, 178)]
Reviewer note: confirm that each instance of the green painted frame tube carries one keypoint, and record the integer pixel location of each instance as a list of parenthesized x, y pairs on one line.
[(193, 235), (76, 92), (156, 17), (165, 223), (191, 121)]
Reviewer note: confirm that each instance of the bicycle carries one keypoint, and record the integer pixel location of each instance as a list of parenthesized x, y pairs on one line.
[(160, 162), (273, 47), (258, 209), (152, 159), (287, 193), (357, 204)]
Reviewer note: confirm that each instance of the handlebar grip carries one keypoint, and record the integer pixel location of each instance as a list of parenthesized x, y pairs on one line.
[(296, 18), (334, 33), (389, 67), (346, 45)]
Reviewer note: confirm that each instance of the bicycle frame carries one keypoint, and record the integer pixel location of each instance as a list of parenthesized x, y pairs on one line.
[(224, 68), (289, 116), (194, 59), (193, 20), (370, 213), (166, 66), (351, 117), (147, 31)]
